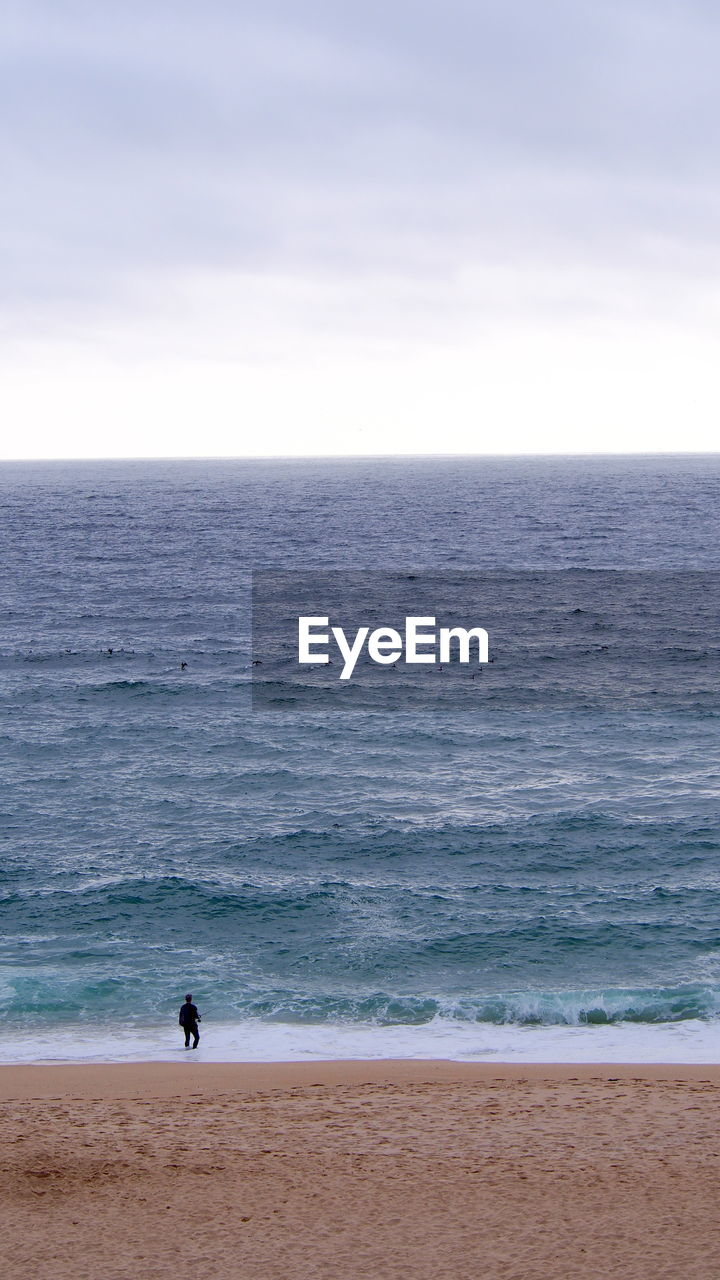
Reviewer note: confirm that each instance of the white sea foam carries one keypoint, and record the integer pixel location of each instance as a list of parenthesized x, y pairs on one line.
[(682, 1042)]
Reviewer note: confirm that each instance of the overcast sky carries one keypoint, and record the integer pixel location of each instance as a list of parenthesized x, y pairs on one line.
[(307, 227)]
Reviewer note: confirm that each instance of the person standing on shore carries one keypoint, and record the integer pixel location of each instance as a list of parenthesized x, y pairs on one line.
[(189, 1018)]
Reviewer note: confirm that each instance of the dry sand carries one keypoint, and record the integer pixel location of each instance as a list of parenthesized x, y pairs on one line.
[(427, 1170)]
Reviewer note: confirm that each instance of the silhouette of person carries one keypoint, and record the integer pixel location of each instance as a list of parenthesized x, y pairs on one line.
[(188, 1019)]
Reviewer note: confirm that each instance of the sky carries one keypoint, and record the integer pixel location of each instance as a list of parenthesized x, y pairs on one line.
[(306, 227)]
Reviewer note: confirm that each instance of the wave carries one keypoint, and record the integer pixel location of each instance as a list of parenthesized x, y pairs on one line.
[(51, 997), (525, 1009)]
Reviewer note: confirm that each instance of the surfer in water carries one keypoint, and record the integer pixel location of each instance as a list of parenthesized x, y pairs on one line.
[(189, 1018)]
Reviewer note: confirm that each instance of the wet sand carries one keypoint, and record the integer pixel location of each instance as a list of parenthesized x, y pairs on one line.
[(384, 1170)]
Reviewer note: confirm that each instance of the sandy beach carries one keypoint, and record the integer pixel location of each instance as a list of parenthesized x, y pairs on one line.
[(359, 1169)]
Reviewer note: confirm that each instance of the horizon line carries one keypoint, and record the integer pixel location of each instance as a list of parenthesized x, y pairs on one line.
[(365, 457)]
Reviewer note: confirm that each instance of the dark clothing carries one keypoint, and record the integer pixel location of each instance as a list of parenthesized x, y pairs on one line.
[(191, 1029), (188, 1019), (188, 1013)]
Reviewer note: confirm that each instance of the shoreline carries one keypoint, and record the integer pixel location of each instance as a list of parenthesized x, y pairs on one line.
[(257, 1041), (105, 1079)]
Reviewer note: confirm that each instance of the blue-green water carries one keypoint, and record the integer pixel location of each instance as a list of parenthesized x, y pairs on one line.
[(447, 876)]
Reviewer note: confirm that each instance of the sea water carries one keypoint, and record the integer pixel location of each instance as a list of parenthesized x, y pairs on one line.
[(526, 871)]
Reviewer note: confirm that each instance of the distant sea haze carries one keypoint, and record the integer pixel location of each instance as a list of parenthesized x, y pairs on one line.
[(533, 875)]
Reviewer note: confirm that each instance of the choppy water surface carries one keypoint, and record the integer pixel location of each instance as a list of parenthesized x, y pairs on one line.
[(534, 880)]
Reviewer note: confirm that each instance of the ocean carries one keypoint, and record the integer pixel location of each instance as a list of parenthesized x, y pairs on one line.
[(524, 870)]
